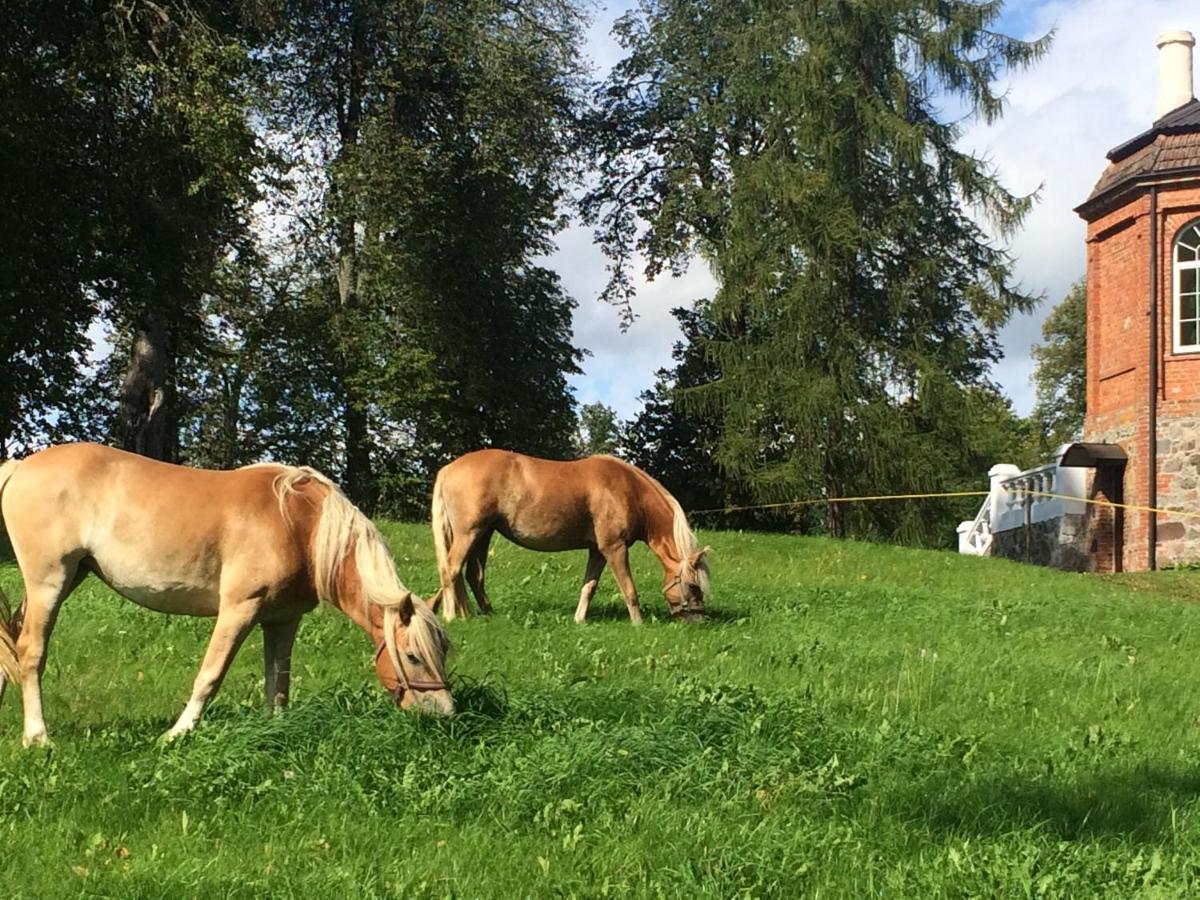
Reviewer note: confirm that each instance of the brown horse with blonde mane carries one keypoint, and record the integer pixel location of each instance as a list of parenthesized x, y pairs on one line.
[(600, 504), (254, 546)]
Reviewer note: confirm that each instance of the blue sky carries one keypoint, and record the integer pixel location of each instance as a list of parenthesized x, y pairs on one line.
[(1095, 89)]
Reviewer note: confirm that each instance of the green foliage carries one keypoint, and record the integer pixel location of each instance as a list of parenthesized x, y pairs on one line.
[(676, 441), (797, 148), (316, 227), (598, 430), (447, 142), (1061, 373), (50, 231), (854, 719), (130, 167)]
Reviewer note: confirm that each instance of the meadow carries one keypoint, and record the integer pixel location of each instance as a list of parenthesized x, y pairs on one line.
[(853, 720)]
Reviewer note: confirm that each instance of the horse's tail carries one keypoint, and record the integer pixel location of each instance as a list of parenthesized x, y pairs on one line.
[(443, 536), (9, 666)]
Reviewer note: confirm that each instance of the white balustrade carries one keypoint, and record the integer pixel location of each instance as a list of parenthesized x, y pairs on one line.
[(1034, 495)]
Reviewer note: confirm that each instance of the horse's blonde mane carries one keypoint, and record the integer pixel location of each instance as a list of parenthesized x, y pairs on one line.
[(342, 528), (686, 544)]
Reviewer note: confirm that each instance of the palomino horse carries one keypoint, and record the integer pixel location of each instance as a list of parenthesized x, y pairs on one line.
[(600, 504), (255, 546)]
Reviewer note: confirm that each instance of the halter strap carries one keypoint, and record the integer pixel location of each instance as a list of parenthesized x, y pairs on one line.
[(403, 682), (685, 603)]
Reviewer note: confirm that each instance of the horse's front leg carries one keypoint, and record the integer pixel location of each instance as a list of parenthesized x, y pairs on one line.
[(591, 580), (278, 638), (618, 561), (234, 622)]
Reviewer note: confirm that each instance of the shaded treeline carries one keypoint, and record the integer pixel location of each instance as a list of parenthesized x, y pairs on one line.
[(316, 230), (308, 230)]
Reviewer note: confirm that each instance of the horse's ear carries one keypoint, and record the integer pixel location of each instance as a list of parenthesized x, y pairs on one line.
[(435, 601), (406, 609), (696, 557)]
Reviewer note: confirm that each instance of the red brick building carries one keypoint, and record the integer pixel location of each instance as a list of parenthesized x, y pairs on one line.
[(1143, 331)]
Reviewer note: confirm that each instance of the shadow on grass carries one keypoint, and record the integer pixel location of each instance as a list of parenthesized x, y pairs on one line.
[(1135, 804), (479, 700), (618, 613)]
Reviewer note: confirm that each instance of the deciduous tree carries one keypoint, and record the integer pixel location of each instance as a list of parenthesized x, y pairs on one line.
[(1061, 373)]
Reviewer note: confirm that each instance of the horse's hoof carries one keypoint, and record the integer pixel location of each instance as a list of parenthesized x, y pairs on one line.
[(38, 739), (167, 738)]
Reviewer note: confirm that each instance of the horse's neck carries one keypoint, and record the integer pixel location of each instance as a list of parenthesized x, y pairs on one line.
[(660, 528), (349, 600)]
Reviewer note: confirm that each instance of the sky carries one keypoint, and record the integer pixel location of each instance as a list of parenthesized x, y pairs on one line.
[(1095, 88)]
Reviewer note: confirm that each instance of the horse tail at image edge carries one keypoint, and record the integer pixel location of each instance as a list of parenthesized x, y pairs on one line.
[(8, 640)]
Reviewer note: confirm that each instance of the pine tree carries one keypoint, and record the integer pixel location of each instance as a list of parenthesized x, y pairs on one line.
[(797, 147), (672, 441)]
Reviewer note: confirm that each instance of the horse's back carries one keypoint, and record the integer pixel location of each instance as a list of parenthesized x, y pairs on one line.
[(545, 504), (149, 528)]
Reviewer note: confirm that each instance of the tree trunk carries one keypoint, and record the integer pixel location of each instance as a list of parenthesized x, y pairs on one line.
[(142, 408), (359, 480)]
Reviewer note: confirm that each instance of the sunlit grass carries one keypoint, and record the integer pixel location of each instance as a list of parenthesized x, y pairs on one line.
[(854, 720)]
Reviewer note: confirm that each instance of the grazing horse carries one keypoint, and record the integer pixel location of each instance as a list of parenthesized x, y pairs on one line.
[(254, 546), (599, 504)]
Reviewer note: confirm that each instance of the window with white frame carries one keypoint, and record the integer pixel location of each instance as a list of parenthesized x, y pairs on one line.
[(1187, 289)]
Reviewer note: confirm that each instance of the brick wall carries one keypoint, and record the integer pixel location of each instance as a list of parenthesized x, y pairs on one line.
[(1118, 384)]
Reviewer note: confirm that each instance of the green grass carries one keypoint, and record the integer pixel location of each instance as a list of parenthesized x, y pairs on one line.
[(854, 720)]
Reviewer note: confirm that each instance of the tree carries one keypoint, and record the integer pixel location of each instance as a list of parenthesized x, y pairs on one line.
[(129, 166), (1060, 376), (49, 188), (183, 169), (797, 149), (598, 430), (444, 144), (672, 442)]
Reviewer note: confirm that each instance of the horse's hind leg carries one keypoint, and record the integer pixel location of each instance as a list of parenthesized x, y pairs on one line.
[(278, 638), (591, 579), (44, 594), (477, 570), (454, 588), (618, 561)]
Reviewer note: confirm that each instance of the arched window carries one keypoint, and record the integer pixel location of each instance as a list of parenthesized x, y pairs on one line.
[(1187, 289)]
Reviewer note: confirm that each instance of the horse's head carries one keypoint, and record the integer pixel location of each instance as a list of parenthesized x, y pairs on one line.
[(413, 665), (686, 589)]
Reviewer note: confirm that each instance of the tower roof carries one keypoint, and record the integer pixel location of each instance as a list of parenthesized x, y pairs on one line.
[(1169, 148)]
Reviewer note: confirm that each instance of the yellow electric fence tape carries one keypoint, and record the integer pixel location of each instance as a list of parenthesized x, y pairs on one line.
[(948, 494)]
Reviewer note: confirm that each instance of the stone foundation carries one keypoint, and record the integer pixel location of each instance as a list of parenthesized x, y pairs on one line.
[(1179, 488), (1062, 543)]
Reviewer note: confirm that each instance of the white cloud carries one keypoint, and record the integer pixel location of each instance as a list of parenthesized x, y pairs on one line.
[(622, 364), (1095, 89)]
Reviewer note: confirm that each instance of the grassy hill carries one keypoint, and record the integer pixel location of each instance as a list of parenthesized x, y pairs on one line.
[(854, 720)]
